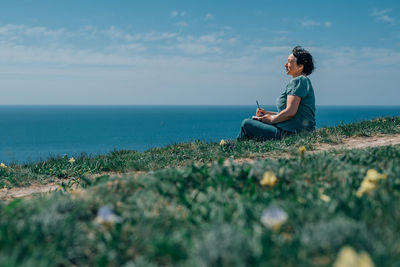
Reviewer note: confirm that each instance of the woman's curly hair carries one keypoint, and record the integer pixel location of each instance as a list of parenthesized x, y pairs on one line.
[(303, 57)]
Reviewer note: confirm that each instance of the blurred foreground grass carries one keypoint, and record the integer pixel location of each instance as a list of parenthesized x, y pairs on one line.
[(211, 216), (214, 215)]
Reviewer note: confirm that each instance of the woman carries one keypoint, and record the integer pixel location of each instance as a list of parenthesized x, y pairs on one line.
[(296, 104)]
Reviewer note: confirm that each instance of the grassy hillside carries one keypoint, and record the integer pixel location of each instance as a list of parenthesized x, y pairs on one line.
[(183, 154), (275, 212)]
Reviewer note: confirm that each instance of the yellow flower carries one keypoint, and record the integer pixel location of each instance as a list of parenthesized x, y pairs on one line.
[(364, 260), (370, 182), (366, 187), (325, 198), (222, 142), (2, 165), (374, 176), (269, 179), (348, 257), (71, 160), (302, 150)]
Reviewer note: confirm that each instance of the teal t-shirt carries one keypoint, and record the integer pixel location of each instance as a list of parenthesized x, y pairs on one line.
[(305, 115)]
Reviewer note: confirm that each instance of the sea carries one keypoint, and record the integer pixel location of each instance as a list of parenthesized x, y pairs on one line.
[(35, 133)]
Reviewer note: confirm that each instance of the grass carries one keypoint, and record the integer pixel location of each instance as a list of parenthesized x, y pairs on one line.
[(183, 154), (203, 215)]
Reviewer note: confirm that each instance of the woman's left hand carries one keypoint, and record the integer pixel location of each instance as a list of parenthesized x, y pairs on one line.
[(267, 118)]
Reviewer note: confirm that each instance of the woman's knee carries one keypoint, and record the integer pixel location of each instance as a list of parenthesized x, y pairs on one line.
[(249, 127), (246, 123)]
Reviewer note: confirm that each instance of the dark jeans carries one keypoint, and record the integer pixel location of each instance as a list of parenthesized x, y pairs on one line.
[(254, 129)]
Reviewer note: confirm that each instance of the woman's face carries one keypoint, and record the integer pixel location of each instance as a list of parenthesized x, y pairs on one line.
[(292, 68)]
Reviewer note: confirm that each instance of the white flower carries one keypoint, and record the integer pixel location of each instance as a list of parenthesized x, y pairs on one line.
[(273, 217), (106, 216), (71, 160)]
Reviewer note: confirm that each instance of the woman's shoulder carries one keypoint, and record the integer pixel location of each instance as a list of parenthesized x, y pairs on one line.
[(301, 80), (299, 86)]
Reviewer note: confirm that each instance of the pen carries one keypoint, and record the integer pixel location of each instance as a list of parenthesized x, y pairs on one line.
[(257, 104)]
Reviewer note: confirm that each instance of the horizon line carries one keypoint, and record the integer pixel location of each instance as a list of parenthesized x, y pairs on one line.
[(181, 105)]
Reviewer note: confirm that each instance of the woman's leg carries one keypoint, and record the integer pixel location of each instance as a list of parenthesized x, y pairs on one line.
[(254, 129)]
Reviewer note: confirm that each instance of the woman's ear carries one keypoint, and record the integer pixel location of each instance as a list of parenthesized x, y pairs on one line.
[(301, 67)]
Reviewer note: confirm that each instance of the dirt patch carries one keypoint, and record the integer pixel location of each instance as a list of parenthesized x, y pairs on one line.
[(24, 192), (348, 143), (34, 189), (361, 142)]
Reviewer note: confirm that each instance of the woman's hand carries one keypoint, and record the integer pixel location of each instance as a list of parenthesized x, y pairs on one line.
[(260, 112), (267, 118)]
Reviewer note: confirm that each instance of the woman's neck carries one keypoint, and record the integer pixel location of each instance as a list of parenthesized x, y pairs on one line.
[(297, 75)]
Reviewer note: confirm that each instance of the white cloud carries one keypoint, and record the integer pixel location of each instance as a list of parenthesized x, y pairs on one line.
[(175, 13), (313, 23), (13, 31), (116, 76), (117, 52), (358, 58), (232, 40), (131, 47), (309, 23), (275, 49), (208, 17), (113, 33), (126, 60), (210, 38), (88, 31), (382, 15), (216, 38), (380, 56), (118, 34), (154, 36), (10, 29), (18, 54), (197, 49), (212, 43), (181, 23)]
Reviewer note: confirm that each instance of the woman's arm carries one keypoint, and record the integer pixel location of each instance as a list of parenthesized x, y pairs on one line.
[(261, 112), (292, 105)]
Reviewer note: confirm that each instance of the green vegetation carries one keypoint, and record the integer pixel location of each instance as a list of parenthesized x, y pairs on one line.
[(183, 154), (200, 214), (210, 215)]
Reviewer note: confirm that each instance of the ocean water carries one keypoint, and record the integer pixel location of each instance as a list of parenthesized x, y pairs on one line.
[(33, 133)]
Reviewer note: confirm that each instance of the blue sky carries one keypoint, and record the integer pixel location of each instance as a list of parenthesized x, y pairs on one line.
[(195, 52)]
